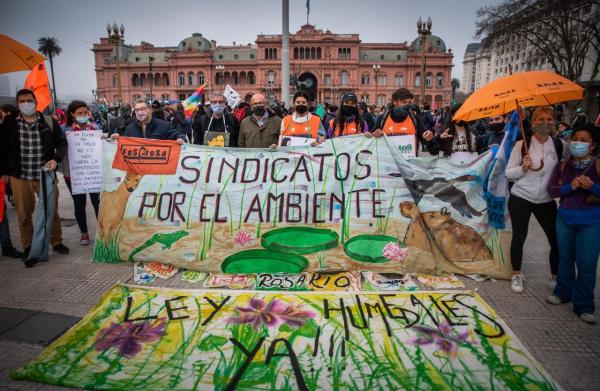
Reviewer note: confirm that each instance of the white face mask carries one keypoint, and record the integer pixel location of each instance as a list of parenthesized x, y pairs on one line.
[(28, 108)]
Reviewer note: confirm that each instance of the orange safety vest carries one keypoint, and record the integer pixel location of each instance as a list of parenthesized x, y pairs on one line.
[(349, 129), (405, 127), (308, 129)]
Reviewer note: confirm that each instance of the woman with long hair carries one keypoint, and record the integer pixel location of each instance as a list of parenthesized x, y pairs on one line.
[(347, 122)]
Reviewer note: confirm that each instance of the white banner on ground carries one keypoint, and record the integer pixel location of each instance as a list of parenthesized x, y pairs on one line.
[(85, 161), (232, 96), (405, 144)]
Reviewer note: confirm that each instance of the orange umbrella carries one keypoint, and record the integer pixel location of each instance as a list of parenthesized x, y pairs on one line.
[(14, 56), (37, 81), (524, 89)]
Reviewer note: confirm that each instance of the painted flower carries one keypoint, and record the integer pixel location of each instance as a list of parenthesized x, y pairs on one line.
[(443, 338), (243, 238), (128, 337), (395, 252), (271, 314)]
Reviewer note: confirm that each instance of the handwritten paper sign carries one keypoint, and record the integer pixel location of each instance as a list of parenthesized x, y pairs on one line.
[(85, 161), (405, 144)]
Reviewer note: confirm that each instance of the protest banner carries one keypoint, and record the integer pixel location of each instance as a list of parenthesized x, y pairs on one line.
[(166, 339), (352, 203), (85, 161)]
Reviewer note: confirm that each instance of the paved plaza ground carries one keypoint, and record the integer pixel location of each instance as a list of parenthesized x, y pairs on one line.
[(37, 305)]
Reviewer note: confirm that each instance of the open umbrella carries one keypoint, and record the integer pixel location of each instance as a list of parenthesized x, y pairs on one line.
[(14, 56)]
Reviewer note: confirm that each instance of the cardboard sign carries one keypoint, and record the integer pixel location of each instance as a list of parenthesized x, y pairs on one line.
[(85, 161)]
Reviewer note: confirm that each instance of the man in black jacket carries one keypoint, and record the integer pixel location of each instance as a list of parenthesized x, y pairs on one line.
[(146, 126), (30, 141), (120, 123), (219, 120)]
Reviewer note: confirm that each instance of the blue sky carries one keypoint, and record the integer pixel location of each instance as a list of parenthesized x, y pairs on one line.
[(78, 24)]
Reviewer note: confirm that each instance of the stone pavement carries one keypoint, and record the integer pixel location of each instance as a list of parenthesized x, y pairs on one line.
[(39, 304)]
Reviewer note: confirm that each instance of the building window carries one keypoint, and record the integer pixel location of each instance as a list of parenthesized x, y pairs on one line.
[(417, 79), (439, 80), (235, 56), (251, 78), (252, 56), (428, 79), (135, 80), (364, 79), (399, 80), (343, 78), (295, 53), (380, 100), (382, 80), (164, 97), (190, 79), (271, 77), (181, 79), (136, 97), (220, 56), (200, 78), (181, 96), (114, 80), (236, 78), (165, 79), (319, 53), (327, 80)]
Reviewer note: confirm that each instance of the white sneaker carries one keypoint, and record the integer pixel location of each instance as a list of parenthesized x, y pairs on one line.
[(553, 299), (516, 283), (551, 283), (588, 318)]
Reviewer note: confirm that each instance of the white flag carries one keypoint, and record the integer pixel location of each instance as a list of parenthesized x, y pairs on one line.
[(233, 98)]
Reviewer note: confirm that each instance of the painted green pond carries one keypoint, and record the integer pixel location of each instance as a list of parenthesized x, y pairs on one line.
[(368, 248), (300, 240), (264, 261)]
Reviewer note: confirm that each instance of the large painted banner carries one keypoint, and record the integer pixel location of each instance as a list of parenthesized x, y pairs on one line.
[(164, 339), (352, 203)]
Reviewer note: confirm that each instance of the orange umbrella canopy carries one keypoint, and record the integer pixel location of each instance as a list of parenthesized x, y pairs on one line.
[(535, 88), (14, 56)]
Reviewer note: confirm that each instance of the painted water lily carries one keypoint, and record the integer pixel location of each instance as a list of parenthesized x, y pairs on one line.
[(129, 337), (271, 314), (243, 238), (443, 337), (394, 251)]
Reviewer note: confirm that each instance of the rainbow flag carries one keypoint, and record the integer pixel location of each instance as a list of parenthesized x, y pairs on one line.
[(189, 105)]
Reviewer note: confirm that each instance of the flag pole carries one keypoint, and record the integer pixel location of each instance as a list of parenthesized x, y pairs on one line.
[(285, 52)]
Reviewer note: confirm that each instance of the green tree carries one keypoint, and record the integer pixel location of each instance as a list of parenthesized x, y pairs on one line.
[(455, 84), (49, 47)]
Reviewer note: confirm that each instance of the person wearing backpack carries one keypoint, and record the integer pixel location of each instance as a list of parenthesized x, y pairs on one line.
[(347, 122), (577, 182), (531, 172)]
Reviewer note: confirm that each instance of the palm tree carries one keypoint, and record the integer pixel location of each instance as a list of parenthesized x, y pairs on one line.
[(48, 46), (455, 84)]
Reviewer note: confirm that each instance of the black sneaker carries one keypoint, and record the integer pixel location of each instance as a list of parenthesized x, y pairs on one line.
[(12, 252), (61, 249), (25, 253), (30, 262)]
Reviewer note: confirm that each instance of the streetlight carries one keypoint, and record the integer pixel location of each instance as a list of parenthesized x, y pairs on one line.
[(424, 30), (115, 34), (377, 70)]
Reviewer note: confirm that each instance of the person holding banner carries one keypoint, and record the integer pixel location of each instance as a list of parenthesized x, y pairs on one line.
[(347, 121), (147, 126), (261, 129), (577, 182), (530, 169), (301, 124), (78, 120), (456, 139), (219, 125)]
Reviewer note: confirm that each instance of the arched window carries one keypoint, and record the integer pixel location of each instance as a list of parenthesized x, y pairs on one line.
[(428, 79), (142, 80), (380, 100), (364, 79), (382, 79), (302, 53), (275, 53), (136, 97), (191, 79), (135, 80), (399, 80), (150, 79), (270, 77), (200, 78), (295, 53), (343, 78), (226, 78), (267, 53), (348, 53), (319, 53), (157, 79), (418, 79), (313, 53), (439, 79), (218, 78), (181, 78), (243, 77), (164, 97), (165, 79), (251, 78), (235, 78)]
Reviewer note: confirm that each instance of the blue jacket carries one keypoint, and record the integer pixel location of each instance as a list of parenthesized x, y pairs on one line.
[(156, 129)]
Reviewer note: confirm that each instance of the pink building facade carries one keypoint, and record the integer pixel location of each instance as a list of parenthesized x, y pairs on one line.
[(324, 63)]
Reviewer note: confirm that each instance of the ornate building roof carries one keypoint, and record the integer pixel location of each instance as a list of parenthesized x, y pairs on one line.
[(194, 43), (434, 41)]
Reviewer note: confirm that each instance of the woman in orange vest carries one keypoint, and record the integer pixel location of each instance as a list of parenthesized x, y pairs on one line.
[(347, 122), (301, 123)]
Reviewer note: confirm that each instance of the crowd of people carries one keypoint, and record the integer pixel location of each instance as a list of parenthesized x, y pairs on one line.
[(553, 161)]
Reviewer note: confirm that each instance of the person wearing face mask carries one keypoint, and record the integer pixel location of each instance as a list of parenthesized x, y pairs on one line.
[(529, 195), (146, 126), (219, 120), (262, 128), (78, 120), (493, 136), (564, 131), (120, 123), (577, 182), (302, 123), (348, 121), (31, 141)]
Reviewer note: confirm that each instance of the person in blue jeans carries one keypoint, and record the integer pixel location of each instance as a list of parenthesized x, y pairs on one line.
[(577, 182)]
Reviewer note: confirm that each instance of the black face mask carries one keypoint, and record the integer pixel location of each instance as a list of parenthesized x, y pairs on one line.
[(349, 110), (301, 109), (400, 113), (497, 127), (259, 111)]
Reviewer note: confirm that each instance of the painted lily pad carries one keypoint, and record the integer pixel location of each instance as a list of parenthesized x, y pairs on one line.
[(300, 240), (368, 248), (264, 261)]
